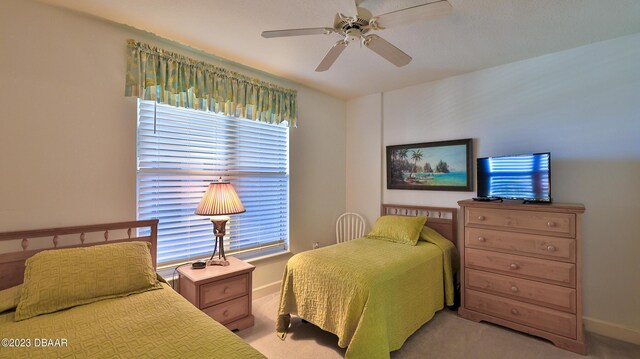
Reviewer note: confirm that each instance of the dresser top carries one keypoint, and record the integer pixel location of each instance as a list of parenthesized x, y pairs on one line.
[(517, 204)]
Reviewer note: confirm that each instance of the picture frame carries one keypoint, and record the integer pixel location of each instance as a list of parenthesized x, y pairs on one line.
[(431, 166)]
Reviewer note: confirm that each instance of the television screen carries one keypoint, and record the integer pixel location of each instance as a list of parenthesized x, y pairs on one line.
[(525, 177)]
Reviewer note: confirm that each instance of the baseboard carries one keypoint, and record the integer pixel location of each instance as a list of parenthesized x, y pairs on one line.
[(266, 289), (611, 330)]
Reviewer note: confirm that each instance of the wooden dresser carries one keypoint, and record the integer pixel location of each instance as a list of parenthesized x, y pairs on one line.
[(223, 293), (521, 268)]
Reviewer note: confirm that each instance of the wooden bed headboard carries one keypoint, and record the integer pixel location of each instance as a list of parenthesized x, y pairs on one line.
[(441, 219), (12, 262)]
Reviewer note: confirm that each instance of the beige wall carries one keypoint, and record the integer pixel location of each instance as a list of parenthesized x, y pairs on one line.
[(364, 157), (318, 171), (583, 106), (68, 134)]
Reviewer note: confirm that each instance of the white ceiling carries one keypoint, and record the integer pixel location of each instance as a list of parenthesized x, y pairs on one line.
[(479, 34)]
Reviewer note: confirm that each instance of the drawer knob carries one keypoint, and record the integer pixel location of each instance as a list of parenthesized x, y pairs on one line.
[(514, 266), (551, 248), (514, 311), (481, 239), (226, 290), (480, 218), (226, 313), (551, 224), (514, 289)]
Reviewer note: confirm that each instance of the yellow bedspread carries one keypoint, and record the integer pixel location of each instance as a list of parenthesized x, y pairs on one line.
[(154, 324), (372, 294)]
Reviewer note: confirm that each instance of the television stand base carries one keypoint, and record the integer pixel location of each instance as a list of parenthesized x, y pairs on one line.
[(536, 202), (487, 199)]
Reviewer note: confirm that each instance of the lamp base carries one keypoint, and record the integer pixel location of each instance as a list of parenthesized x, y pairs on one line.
[(218, 262)]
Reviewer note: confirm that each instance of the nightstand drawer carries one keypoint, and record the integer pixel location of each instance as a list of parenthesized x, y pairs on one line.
[(223, 290), (561, 224), (533, 268), (548, 295), (229, 311), (530, 315), (521, 243)]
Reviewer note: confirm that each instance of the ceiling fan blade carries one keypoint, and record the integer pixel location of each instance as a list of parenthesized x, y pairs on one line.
[(332, 55), (356, 4), (389, 52), (433, 10), (298, 32)]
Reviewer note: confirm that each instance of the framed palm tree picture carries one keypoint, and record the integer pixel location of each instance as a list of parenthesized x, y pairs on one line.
[(436, 166)]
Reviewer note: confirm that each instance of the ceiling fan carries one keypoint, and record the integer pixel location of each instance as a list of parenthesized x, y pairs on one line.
[(354, 28)]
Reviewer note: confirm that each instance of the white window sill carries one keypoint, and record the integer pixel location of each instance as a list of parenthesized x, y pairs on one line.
[(258, 259), (167, 272)]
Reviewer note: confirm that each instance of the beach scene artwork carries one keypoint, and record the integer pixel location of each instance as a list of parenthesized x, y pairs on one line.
[(435, 166)]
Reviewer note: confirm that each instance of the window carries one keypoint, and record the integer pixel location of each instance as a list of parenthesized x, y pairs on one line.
[(181, 150)]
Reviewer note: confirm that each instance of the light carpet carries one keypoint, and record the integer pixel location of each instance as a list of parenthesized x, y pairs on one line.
[(446, 336)]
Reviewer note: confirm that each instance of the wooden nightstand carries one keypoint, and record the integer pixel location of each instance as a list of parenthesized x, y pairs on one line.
[(223, 293)]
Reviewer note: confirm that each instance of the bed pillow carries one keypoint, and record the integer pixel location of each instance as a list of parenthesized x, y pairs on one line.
[(429, 234), (9, 298), (398, 229), (65, 278)]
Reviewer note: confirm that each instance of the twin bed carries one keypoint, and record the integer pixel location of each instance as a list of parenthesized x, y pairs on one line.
[(373, 294), (156, 323)]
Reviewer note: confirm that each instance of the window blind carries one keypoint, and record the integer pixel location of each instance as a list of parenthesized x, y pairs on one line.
[(181, 150)]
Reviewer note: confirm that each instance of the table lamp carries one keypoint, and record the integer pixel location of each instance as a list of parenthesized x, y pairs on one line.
[(219, 201)]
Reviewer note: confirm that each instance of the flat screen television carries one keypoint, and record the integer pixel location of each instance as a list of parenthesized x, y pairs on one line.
[(525, 177)]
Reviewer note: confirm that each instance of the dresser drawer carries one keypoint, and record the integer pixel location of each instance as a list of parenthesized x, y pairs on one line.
[(229, 311), (521, 243), (561, 224), (527, 314), (223, 290), (532, 268), (548, 295)]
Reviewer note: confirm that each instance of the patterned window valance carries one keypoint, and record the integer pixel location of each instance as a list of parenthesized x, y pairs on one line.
[(167, 77)]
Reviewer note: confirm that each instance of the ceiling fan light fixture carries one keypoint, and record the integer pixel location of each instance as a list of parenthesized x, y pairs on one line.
[(353, 34)]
